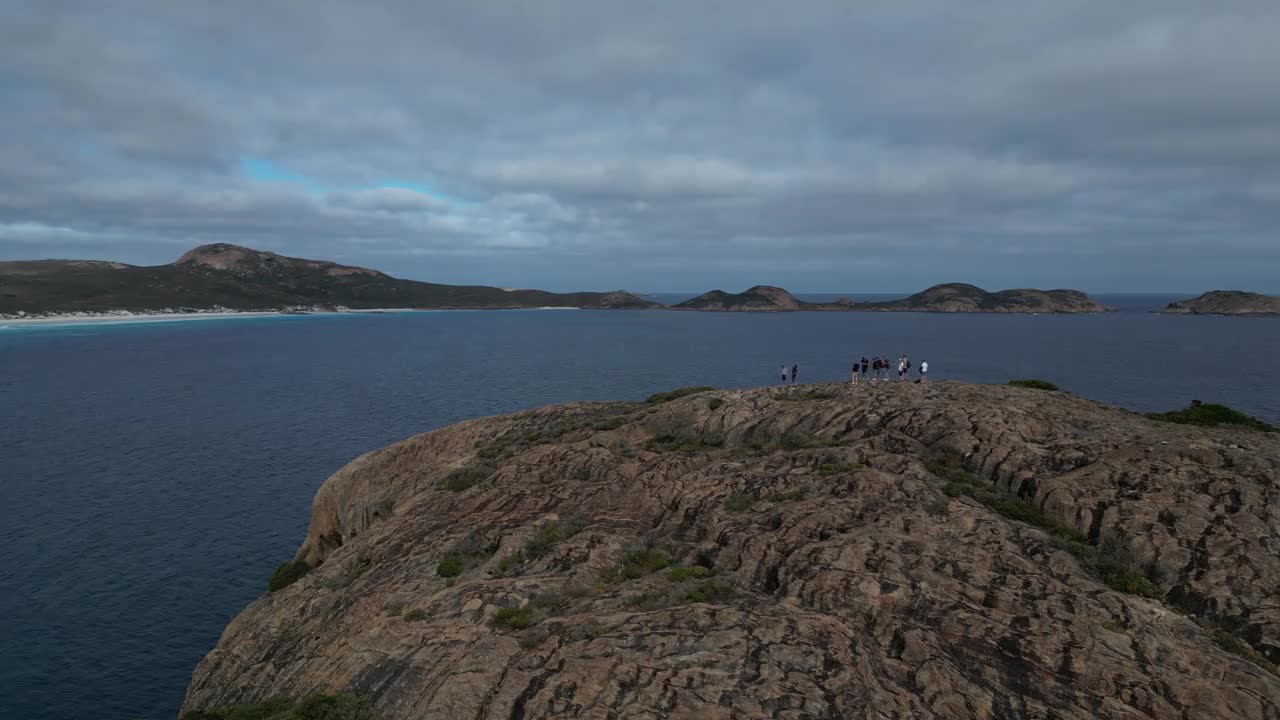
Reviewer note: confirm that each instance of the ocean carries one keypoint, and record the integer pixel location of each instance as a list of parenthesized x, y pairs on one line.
[(152, 475)]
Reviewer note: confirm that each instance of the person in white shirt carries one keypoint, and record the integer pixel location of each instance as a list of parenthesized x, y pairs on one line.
[(784, 374), (924, 371)]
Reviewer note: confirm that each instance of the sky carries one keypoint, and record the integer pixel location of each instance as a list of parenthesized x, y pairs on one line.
[(662, 147)]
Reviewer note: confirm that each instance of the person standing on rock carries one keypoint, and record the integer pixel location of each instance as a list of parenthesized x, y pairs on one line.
[(875, 370), (784, 374), (924, 371), (864, 367), (853, 373), (795, 370)]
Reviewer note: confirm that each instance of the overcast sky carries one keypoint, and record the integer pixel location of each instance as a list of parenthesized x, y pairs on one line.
[(822, 146)]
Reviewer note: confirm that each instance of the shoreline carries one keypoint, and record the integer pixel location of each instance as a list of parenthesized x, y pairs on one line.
[(158, 317)]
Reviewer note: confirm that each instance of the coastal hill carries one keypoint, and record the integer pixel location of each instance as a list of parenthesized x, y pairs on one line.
[(239, 278), (961, 297), (927, 551), (1226, 302)]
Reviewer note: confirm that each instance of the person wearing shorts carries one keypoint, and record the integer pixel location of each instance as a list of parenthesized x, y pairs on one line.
[(924, 371), (784, 374)]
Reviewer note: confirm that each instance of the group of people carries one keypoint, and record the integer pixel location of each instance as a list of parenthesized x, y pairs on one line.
[(870, 370), (878, 369)]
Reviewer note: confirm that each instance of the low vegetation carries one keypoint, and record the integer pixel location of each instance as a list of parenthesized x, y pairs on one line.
[(792, 495), (688, 572), (739, 502), (668, 396), (646, 561), (827, 469), (468, 553), (676, 436), (540, 607), (1034, 384), (1226, 640), (692, 590), (415, 615), (287, 574), (468, 476), (450, 565), (610, 417), (1212, 415), (313, 707), (546, 537), (1113, 562), (513, 618)]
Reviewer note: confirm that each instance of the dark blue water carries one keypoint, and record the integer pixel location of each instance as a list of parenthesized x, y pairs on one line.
[(151, 476)]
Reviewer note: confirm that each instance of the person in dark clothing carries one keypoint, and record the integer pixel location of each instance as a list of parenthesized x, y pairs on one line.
[(795, 370), (864, 367), (875, 369)]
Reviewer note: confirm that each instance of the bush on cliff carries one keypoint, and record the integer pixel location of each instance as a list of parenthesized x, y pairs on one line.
[(313, 707), (1212, 415), (1034, 384), (287, 574)]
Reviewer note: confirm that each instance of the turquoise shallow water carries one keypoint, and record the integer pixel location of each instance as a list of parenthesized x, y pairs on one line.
[(151, 475)]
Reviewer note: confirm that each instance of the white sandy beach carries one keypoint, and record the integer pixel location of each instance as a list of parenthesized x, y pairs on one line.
[(121, 319)]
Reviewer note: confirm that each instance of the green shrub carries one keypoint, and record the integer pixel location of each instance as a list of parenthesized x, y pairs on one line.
[(639, 563), (739, 503), (1224, 639), (1212, 415), (1034, 384), (797, 440), (287, 574), (450, 566), (513, 618), (1129, 580), (791, 495), (687, 572), (829, 468), (713, 590), (668, 396), (415, 615), (468, 476), (312, 707), (551, 534)]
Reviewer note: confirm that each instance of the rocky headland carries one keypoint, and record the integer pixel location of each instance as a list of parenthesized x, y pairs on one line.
[(941, 550), (1226, 302), (761, 298)]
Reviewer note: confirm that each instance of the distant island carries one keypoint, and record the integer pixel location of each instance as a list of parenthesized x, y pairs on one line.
[(1226, 302), (761, 298), (948, 298), (230, 278), (233, 278), (964, 298)]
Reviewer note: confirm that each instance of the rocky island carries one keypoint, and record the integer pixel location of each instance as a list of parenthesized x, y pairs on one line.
[(964, 298), (234, 278), (908, 551), (1226, 302), (761, 298)]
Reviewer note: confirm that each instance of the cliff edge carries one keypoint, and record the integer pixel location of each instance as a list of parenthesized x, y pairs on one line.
[(833, 551)]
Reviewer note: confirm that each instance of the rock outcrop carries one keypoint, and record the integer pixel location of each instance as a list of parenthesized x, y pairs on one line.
[(814, 552), (1226, 302), (961, 297)]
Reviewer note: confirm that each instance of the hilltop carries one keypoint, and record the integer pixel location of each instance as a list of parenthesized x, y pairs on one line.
[(1226, 302), (239, 278), (892, 551)]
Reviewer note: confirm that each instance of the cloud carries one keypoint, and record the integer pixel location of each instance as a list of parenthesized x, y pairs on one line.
[(570, 144)]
